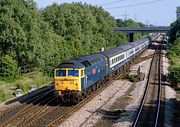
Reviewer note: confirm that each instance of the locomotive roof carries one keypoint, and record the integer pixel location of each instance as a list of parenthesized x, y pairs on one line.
[(82, 62), (71, 64)]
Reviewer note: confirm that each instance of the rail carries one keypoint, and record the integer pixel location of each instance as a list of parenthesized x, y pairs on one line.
[(142, 103)]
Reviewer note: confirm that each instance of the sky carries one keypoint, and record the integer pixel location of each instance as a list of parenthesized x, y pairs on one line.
[(156, 12)]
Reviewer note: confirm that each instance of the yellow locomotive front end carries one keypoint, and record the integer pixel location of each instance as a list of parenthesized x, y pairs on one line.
[(67, 83)]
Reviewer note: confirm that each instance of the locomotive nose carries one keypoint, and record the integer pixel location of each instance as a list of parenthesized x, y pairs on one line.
[(68, 84)]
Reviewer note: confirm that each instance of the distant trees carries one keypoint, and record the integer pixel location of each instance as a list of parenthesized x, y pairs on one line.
[(130, 23), (44, 38)]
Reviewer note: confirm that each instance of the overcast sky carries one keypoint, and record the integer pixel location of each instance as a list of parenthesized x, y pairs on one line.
[(156, 12)]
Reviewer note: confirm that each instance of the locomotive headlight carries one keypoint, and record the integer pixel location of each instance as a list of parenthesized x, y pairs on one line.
[(67, 88)]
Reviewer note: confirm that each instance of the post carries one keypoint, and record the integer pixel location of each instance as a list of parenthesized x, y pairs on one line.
[(130, 37)]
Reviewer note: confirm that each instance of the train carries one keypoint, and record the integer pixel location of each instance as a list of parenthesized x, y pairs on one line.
[(76, 79)]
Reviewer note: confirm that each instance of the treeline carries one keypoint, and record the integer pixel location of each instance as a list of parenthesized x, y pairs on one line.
[(174, 52), (40, 39)]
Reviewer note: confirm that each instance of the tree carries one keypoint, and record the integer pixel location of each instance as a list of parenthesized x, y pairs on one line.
[(174, 30), (8, 67)]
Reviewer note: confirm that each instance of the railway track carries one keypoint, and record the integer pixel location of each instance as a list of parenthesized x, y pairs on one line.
[(16, 114), (74, 108), (19, 104), (151, 111), (101, 110)]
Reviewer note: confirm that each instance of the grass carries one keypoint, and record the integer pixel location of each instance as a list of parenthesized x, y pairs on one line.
[(178, 91), (133, 78), (7, 88)]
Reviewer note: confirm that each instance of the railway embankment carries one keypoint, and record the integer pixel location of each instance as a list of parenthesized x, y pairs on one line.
[(174, 77), (24, 82)]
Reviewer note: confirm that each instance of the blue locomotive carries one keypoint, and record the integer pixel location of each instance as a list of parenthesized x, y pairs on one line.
[(77, 78)]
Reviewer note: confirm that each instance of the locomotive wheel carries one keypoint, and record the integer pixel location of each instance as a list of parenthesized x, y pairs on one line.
[(75, 98)]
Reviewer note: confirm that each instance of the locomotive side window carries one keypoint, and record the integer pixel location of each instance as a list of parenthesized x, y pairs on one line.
[(60, 72), (86, 63), (82, 73)]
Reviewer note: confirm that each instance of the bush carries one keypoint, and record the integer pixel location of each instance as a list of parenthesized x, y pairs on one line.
[(133, 78), (48, 70), (174, 74), (8, 67)]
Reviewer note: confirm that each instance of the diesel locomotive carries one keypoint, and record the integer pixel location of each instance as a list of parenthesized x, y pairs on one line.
[(76, 79)]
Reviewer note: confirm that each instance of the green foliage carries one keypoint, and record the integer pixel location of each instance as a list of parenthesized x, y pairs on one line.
[(130, 23), (4, 95), (25, 35), (85, 28), (8, 67), (174, 74), (48, 70), (174, 55), (133, 78), (175, 30), (44, 38), (33, 78)]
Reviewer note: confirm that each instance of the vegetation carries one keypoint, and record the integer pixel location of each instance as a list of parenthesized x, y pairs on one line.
[(40, 39), (174, 52), (174, 55), (8, 67), (175, 30), (24, 82)]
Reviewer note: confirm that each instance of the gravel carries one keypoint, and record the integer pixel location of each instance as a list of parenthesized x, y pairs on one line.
[(170, 95), (86, 116), (136, 94)]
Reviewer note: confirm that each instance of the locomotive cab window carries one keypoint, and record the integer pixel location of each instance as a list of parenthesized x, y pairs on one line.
[(73, 73), (60, 72)]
